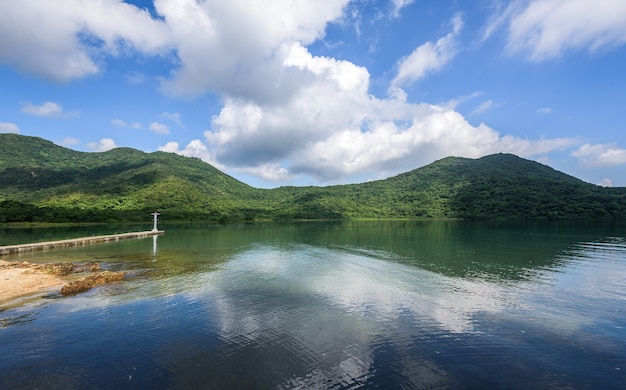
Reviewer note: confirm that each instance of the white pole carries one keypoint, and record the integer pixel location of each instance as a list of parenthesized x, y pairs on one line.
[(154, 229)]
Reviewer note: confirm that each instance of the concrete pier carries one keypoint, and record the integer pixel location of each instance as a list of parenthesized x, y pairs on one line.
[(39, 246)]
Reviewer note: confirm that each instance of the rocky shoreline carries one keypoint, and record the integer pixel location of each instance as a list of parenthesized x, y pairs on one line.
[(20, 279)]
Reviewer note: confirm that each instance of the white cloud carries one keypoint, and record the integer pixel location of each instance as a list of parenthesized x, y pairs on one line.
[(174, 117), (434, 133), (70, 141), (118, 123), (333, 93), (63, 42), (272, 172), (544, 29), (398, 5), (46, 109), (8, 127), (194, 148), (601, 155), (170, 147), (429, 57), (102, 146), (122, 123), (482, 107), (452, 104), (544, 110), (333, 129), (159, 128), (543, 160), (606, 183), (232, 47)]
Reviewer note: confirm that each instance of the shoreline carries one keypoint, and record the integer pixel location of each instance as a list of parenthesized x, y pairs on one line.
[(23, 279), (17, 282)]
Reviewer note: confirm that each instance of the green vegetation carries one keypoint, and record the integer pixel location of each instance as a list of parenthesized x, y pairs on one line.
[(43, 182)]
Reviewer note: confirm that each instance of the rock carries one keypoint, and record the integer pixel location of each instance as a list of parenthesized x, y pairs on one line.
[(91, 281)]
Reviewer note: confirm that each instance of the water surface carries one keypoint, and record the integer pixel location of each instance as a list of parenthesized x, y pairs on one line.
[(390, 304)]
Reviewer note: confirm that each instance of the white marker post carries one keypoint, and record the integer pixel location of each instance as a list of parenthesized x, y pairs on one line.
[(156, 213)]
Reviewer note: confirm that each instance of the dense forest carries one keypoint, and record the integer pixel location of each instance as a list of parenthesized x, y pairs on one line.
[(43, 182)]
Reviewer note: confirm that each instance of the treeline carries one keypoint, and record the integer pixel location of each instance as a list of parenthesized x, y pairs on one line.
[(15, 211), (12, 211)]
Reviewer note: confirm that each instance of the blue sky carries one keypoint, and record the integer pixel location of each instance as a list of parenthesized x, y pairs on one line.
[(303, 92)]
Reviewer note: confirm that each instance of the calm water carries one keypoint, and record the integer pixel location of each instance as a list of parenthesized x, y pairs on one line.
[(331, 305)]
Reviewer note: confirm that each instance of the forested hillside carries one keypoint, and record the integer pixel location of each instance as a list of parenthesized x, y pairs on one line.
[(40, 181), (58, 184)]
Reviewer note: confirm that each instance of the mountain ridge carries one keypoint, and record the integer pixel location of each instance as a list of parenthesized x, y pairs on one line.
[(41, 181)]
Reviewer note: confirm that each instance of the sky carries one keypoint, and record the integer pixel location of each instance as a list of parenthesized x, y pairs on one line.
[(309, 92)]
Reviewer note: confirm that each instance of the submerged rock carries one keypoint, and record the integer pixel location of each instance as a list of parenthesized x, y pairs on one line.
[(19, 278), (65, 269), (92, 281), (56, 269)]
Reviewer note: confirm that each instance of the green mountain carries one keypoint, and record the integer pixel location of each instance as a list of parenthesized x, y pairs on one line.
[(121, 184), (500, 186), (40, 181)]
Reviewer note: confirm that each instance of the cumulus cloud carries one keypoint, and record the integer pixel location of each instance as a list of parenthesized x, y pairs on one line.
[(390, 148), (287, 113), (429, 57), (63, 43), (230, 47), (159, 128), (194, 148), (601, 155), (102, 146), (606, 183), (46, 109), (8, 127), (333, 129), (330, 127), (333, 96), (544, 29)]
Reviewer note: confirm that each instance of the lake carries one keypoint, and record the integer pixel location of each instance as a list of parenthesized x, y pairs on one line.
[(357, 304)]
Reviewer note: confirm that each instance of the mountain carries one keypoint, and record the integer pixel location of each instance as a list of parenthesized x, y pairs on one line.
[(118, 184), (499, 186), (40, 181)]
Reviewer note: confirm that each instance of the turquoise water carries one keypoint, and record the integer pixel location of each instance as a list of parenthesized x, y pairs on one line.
[(388, 304)]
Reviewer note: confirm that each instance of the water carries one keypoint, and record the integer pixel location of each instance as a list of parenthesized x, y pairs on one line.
[(332, 305)]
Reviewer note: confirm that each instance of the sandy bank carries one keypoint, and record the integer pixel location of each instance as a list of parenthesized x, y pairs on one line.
[(17, 282), (19, 279)]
